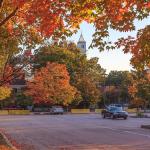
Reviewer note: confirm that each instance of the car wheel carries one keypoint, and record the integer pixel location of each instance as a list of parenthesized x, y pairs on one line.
[(125, 118), (113, 117)]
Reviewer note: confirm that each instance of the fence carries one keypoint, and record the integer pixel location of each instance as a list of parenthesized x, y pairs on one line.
[(80, 111), (84, 111)]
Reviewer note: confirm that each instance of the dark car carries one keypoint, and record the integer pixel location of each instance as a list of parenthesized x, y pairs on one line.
[(114, 112)]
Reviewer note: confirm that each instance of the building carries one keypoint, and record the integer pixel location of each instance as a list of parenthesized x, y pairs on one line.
[(82, 44), (18, 85)]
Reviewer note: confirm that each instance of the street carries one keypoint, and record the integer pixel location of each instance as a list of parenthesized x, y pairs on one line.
[(76, 132)]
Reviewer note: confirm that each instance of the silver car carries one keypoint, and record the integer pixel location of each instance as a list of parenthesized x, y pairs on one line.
[(57, 110)]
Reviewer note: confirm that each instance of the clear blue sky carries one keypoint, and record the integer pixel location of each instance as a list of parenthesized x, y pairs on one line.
[(112, 60)]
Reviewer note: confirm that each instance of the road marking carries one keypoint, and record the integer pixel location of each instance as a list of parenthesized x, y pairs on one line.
[(13, 119), (130, 132)]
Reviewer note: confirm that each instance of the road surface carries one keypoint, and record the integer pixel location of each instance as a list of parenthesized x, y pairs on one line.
[(76, 132)]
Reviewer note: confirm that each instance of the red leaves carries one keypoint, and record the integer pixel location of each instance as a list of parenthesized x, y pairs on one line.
[(44, 15), (51, 85), (139, 47), (55, 18), (6, 77)]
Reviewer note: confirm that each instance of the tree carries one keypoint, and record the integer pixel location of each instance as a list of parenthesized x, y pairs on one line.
[(4, 92), (139, 89), (51, 85), (117, 83), (119, 15), (86, 75), (88, 89), (14, 37), (139, 47), (24, 24)]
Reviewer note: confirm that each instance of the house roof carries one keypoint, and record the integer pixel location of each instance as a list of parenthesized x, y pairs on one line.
[(18, 82)]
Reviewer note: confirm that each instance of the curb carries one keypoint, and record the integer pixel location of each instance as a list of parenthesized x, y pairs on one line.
[(140, 117), (145, 126), (8, 142)]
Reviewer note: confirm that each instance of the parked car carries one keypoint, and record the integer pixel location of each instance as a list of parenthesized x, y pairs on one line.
[(57, 110), (114, 112)]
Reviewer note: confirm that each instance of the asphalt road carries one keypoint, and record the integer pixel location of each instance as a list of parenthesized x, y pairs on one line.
[(76, 132)]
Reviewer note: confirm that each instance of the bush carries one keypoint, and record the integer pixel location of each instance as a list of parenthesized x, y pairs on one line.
[(139, 114)]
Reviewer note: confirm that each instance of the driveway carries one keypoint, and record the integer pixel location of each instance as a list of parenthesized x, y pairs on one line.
[(76, 132)]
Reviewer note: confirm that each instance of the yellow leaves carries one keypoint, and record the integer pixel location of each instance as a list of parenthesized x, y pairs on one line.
[(5, 92)]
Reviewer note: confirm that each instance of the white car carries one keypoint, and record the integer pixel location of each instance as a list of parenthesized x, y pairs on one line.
[(56, 110)]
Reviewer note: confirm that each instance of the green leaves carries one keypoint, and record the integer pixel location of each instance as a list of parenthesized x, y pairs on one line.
[(85, 74)]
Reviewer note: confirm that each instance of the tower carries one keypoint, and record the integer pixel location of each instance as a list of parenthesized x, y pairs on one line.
[(82, 44)]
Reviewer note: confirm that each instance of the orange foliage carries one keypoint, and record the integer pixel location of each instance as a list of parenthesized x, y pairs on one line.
[(9, 74), (139, 47), (51, 85), (132, 89), (47, 18), (6, 76)]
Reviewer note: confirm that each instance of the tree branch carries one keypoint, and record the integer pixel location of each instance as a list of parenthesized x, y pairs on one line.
[(13, 75), (8, 17), (1, 3), (6, 63)]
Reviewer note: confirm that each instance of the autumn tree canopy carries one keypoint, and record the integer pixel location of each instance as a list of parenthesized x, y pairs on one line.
[(139, 89), (51, 85), (85, 75), (24, 24), (116, 90), (35, 19)]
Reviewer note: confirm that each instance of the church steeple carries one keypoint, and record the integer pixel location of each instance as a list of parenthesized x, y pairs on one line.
[(82, 44), (81, 39)]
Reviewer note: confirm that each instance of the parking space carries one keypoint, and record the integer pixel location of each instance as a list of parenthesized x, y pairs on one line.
[(86, 131)]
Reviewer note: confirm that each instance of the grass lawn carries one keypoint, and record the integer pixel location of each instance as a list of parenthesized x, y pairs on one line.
[(3, 144)]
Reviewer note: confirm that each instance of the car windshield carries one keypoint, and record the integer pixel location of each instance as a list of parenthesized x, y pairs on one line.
[(58, 108), (115, 109)]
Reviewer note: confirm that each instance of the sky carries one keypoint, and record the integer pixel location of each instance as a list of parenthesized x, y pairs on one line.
[(109, 60)]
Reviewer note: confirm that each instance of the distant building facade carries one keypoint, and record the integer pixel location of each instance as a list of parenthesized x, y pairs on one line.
[(82, 44), (18, 85)]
